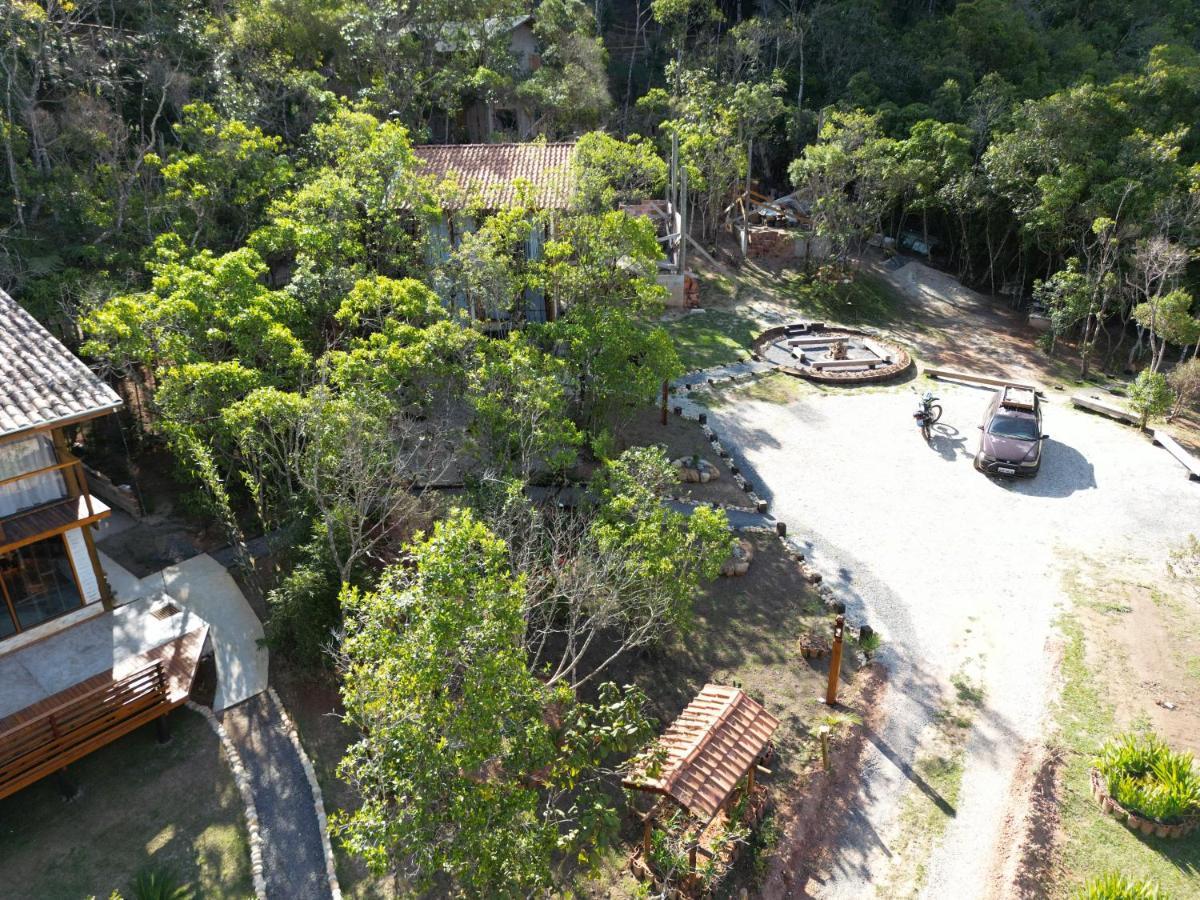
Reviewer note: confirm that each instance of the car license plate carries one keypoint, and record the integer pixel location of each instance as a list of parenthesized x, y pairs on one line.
[(1003, 471)]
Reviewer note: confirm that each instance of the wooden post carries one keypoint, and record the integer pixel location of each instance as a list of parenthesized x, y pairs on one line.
[(647, 831), (665, 394), (835, 661), (750, 782), (692, 858), (823, 731)]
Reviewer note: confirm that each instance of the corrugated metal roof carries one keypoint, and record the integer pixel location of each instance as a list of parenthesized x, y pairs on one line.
[(709, 749), (41, 381), (487, 173)]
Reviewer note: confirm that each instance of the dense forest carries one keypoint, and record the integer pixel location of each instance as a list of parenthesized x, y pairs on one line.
[(219, 204)]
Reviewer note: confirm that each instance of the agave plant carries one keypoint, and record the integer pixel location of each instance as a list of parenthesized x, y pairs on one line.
[(1145, 776), (159, 883), (1115, 886)]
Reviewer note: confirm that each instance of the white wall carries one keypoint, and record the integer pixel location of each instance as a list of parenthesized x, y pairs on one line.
[(88, 585)]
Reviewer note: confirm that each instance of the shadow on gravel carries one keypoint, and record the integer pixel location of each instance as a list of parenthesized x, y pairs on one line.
[(910, 773), (1064, 472)]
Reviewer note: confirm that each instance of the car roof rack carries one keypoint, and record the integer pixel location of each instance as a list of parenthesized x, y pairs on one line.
[(1018, 396)]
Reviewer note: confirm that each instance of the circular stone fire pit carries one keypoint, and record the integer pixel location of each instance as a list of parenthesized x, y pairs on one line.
[(835, 355)]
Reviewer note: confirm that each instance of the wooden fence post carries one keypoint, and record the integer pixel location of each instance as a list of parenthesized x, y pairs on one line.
[(835, 660)]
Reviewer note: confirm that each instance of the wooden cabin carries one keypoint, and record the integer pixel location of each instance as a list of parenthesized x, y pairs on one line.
[(77, 670), (49, 571), (480, 179)]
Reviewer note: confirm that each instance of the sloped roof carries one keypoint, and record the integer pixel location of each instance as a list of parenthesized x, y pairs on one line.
[(487, 172), (41, 381), (709, 749)]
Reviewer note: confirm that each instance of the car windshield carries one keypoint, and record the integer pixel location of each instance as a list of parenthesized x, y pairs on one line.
[(1018, 427)]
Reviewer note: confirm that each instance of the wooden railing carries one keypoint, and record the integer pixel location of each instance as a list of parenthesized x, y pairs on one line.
[(74, 486), (75, 727)]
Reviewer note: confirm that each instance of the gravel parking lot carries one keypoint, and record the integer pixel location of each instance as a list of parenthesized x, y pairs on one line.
[(960, 573)]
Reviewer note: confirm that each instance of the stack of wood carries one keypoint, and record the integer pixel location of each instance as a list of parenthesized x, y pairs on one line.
[(691, 292), (771, 243)]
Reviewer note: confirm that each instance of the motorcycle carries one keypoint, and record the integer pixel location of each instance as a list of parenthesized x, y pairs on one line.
[(927, 413)]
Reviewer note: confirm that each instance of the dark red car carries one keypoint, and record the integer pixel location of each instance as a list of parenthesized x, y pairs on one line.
[(1011, 442)]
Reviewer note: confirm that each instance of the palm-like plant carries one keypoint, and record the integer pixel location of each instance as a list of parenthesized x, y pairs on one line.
[(1145, 776), (1114, 886)]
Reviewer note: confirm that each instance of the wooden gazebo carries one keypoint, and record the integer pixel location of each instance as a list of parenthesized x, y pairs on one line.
[(699, 761)]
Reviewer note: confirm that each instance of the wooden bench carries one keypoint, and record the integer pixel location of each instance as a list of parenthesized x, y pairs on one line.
[(813, 341), (1172, 446), (950, 375), (1091, 404), (847, 363), (43, 738)]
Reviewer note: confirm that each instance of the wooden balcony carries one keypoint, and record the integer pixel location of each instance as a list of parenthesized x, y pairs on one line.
[(43, 738), (49, 519)]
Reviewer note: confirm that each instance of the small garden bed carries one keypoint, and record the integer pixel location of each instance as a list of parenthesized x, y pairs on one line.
[(683, 438), (1140, 781)]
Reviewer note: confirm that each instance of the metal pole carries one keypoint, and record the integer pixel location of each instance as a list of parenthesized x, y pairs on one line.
[(835, 660)]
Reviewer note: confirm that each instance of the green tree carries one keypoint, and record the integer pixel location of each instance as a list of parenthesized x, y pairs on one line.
[(1149, 395), (473, 774), (610, 171)]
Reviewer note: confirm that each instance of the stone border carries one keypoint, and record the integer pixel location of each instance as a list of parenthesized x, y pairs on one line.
[(902, 364), (242, 779), (758, 504), (318, 799), (1132, 820)]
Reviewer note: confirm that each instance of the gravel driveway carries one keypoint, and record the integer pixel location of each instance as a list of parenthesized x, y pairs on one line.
[(959, 572)]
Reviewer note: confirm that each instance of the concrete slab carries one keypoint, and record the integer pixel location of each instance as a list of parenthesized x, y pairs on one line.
[(55, 663), (202, 585)]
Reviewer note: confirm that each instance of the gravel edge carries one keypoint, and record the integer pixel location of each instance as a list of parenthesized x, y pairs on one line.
[(318, 798), (242, 780)]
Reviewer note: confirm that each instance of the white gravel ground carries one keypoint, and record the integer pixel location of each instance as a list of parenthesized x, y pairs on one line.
[(958, 572)]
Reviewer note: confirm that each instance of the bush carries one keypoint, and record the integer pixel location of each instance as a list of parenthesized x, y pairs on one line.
[(1146, 777), (159, 883), (1114, 886), (304, 608)]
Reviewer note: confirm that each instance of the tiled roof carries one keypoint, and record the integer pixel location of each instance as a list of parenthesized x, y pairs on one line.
[(709, 749), (41, 381), (487, 172)]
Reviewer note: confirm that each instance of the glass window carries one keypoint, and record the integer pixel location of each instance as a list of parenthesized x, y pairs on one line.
[(1021, 428), (28, 455), (39, 583)]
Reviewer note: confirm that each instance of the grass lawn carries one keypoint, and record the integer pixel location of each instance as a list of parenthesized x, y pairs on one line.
[(140, 805), (865, 300), (712, 338), (1099, 701)]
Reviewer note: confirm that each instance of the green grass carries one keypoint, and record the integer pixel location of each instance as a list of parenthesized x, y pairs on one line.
[(140, 805), (712, 338), (1093, 842), (866, 300)]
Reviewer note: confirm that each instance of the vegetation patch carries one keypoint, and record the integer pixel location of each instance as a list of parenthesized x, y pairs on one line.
[(1093, 843), (859, 299), (142, 807), (714, 337), (1145, 776)]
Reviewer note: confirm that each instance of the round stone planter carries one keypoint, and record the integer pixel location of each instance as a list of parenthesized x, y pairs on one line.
[(1132, 820)]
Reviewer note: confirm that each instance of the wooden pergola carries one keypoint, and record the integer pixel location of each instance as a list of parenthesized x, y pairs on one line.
[(704, 755)]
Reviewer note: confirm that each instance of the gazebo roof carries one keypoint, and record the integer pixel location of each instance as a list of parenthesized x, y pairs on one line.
[(713, 744)]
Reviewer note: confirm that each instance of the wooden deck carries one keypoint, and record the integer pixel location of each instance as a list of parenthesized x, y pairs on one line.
[(43, 738)]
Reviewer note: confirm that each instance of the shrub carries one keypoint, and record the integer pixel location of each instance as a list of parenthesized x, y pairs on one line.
[(159, 883), (1114, 886), (1146, 777)]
